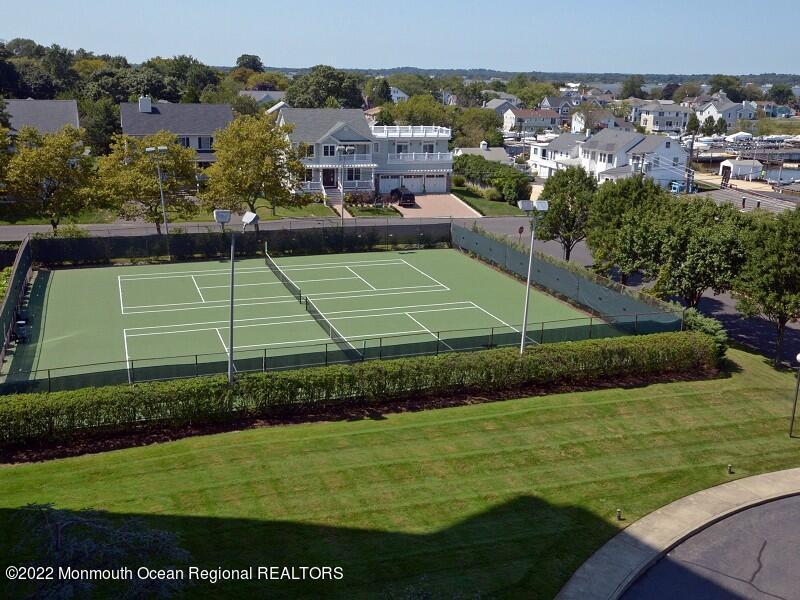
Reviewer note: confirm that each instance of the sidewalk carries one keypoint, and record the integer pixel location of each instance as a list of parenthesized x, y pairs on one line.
[(615, 566)]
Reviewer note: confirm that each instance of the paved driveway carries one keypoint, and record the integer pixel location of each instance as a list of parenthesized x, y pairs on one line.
[(439, 205)]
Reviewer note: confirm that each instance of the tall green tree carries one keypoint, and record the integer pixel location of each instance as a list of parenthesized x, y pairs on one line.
[(632, 87), (313, 89), (471, 126), (781, 93), (420, 110), (693, 125), (570, 193), (768, 285), (709, 126), (721, 126), (128, 178), (101, 121), (49, 175), (250, 61), (377, 91), (256, 166), (613, 201), (5, 117), (728, 84)]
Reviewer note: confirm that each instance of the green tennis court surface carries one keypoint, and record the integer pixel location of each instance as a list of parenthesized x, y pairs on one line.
[(172, 320)]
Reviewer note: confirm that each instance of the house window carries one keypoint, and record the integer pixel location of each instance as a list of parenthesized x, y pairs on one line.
[(183, 140), (429, 148), (353, 174), (205, 142), (668, 123), (310, 151), (309, 175), (329, 150), (402, 148), (610, 159)]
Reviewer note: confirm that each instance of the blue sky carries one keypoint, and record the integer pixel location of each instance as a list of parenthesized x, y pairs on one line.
[(679, 36)]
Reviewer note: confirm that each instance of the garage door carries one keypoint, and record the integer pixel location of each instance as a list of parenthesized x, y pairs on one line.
[(388, 183), (413, 183), (435, 184)]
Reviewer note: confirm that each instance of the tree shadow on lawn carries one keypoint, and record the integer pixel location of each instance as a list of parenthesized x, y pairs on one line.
[(522, 548)]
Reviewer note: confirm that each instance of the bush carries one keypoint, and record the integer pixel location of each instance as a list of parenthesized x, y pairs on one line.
[(458, 181), (511, 183), (121, 409), (65, 231), (693, 320), (492, 194)]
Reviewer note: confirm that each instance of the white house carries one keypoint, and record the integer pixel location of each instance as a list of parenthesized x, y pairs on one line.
[(610, 155), (599, 120), (525, 120), (741, 169), (730, 111), (345, 154), (660, 117), (498, 105), (547, 157), (398, 95)]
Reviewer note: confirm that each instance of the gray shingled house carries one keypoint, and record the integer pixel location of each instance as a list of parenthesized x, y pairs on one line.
[(195, 125)]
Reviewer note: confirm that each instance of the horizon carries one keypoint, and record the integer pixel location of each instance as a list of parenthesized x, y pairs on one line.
[(376, 35)]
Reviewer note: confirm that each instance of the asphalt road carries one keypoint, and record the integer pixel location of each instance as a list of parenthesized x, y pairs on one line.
[(754, 554)]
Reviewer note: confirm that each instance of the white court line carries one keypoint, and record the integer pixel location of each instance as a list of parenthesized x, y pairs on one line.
[(527, 337), (436, 337), (127, 356), (320, 296), (198, 289), (374, 311), (211, 287), (360, 277), (121, 304), (426, 275), (373, 262)]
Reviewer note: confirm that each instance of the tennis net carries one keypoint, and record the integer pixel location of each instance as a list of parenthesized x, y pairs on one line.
[(290, 285), (344, 345)]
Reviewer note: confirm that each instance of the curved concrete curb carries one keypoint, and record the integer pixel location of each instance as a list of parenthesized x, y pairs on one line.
[(615, 566)]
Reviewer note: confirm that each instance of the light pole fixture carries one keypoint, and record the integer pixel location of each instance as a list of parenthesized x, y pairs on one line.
[(534, 208), (796, 393), (158, 152), (222, 217)]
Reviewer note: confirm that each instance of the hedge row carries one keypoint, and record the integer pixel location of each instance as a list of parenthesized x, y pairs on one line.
[(122, 409)]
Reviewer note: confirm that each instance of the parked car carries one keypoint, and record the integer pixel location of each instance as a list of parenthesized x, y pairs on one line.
[(403, 196)]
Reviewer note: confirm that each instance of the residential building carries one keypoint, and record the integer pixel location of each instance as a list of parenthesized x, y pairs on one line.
[(730, 111), (547, 157), (610, 155), (635, 108), (398, 95), (345, 154), (499, 106), (264, 96), (449, 98), (195, 125), (662, 117), (496, 154), (46, 116), (493, 94), (563, 105), (601, 119), (524, 120)]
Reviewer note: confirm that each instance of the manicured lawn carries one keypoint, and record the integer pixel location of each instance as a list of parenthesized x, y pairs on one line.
[(372, 211), (487, 208), (85, 217), (495, 500), (310, 210)]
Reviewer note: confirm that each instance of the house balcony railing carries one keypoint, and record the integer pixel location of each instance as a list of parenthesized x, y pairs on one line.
[(409, 157), (364, 184), (411, 131), (312, 186), (338, 161)]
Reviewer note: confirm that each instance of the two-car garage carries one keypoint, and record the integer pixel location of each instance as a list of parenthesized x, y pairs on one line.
[(417, 184)]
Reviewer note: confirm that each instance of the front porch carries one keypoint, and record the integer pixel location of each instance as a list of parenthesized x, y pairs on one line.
[(329, 180)]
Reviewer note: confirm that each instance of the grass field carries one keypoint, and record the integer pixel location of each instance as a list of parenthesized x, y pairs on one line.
[(373, 211), (503, 499), (387, 303), (486, 207)]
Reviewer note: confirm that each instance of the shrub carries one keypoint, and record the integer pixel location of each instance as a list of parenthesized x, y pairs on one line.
[(511, 183), (121, 409), (492, 194), (693, 320), (458, 181)]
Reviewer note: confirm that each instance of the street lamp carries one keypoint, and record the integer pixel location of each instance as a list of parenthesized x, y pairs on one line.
[(534, 208), (222, 217), (342, 151), (796, 392), (158, 152)]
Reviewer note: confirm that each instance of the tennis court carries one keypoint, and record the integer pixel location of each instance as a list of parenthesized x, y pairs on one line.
[(159, 321)]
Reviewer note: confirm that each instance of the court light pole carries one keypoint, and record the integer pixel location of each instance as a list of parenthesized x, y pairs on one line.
[(534, 208), (796, 393), (222, 217), (158, 152)]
